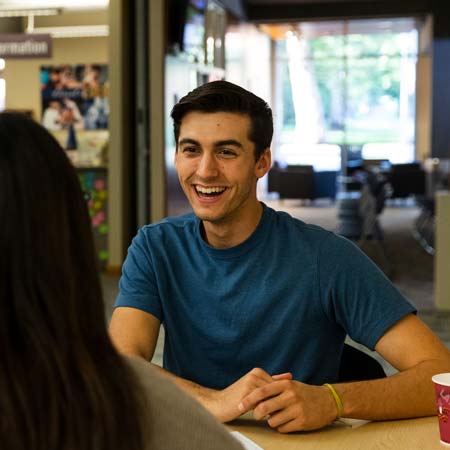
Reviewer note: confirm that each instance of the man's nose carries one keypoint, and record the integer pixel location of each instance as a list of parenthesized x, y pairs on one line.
[(208, 166)]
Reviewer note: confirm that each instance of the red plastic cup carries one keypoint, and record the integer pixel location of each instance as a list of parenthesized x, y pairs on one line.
[(442, 389)]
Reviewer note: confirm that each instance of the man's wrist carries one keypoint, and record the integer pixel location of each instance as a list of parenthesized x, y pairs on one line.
[(335, 398), (215, 403)]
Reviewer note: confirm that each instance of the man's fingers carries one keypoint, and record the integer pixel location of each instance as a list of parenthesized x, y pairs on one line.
[(261, 393), (282, 376), (262, 374), (281, 418), (289, 427), (270, 406)]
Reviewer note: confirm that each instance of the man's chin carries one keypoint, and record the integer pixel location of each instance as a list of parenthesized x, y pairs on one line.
[(208, 216)]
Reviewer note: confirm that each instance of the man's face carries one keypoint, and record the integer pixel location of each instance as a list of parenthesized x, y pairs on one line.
[(215, 161)]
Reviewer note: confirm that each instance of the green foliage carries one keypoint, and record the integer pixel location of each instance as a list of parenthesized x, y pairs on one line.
[(358, 78)]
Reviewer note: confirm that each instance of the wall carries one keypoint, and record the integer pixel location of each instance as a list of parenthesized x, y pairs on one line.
[(22, 75), (423, 91), (440, 129), (442, 259), (120, 131), (157, 118)]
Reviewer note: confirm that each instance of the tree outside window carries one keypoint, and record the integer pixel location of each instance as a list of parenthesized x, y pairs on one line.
[(364, 74)]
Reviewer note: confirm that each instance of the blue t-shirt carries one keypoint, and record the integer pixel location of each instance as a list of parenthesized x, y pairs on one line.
[(282, 300)]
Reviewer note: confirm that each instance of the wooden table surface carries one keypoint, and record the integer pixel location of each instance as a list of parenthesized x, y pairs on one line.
[(412, 434)]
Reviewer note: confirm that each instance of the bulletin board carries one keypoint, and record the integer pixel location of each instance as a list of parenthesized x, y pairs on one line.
[(94, 182)]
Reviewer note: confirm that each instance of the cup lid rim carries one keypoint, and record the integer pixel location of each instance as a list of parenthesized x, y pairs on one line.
[(441, 378)]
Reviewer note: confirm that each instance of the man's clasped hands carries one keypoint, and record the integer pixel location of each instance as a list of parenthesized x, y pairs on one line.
[(286, 404)]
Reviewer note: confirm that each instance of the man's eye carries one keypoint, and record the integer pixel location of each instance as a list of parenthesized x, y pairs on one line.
[(227, 153), (189, 150)]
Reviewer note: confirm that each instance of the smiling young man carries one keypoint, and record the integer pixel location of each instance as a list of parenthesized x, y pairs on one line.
[(216, 165), (256, 304)]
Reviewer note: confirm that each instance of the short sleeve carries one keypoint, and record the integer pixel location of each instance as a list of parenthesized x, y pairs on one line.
[(356, 294), (137, 286)]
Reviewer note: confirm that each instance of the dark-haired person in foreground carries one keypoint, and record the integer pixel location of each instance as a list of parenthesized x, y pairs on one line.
[(256, 304), (63, 385)]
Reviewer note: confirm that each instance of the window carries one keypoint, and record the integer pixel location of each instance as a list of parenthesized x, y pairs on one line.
[(348, 83)]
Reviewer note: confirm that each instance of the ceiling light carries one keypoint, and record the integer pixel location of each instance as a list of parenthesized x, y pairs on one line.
[(74, 31), (49, 4), (29, 12)]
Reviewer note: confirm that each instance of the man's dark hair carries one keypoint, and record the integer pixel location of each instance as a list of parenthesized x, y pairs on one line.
[(223, 96)]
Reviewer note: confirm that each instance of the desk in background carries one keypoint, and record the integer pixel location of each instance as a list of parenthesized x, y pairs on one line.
[(413, 434)]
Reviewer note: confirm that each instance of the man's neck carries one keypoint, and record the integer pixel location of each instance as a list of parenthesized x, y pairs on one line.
[(234, 230)]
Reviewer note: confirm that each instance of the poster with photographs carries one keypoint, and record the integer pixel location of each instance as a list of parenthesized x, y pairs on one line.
[(76, 95), (75, 108)]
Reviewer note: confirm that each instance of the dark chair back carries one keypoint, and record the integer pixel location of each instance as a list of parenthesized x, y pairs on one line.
[(407, 179), (358, 366), (296, 182)]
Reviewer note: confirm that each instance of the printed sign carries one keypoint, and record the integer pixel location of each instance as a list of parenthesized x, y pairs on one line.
[(25, 46)]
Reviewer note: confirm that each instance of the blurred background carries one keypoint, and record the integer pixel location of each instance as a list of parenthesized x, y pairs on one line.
[(359, 89)]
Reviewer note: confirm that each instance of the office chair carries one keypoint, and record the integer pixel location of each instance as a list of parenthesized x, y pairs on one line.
[(296, 182), (406, 180), (358, 366), (371, 204), (424, 226)]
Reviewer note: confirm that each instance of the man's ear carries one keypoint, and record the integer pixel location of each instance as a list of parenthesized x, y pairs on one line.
[(263, 164)]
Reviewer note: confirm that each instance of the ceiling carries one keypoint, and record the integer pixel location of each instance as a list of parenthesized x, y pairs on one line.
[(263, 10), (269, 11), (300, 2), (296, 10)]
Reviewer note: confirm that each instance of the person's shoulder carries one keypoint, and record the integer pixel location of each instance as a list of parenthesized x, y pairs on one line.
[(169, 225), (312, 236), (309, 231), (171, 222), (156, 236), (175, 417), (160, 391), (144, 371)]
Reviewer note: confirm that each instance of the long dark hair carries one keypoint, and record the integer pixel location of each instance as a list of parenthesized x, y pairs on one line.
[(62, 384)]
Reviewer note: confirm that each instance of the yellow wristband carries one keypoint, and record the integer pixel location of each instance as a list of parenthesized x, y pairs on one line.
[(337, 399)]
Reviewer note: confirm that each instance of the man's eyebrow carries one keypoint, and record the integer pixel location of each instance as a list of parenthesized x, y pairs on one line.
[(222, 143), (189, 141), (226, 142)]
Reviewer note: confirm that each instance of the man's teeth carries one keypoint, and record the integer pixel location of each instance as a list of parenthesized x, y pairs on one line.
[(209, 190)]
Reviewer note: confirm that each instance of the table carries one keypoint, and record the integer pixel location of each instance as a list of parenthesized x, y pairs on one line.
[(411, 434)]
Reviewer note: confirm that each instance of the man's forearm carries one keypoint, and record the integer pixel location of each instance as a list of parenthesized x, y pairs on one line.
[(407, 394), (225, 404), (200, 393)]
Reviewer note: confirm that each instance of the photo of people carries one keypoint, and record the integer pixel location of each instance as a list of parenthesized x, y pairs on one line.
[(60, 114), (75, 96)]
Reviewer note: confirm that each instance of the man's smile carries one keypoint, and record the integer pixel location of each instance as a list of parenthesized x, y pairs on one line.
[(209, 191)]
